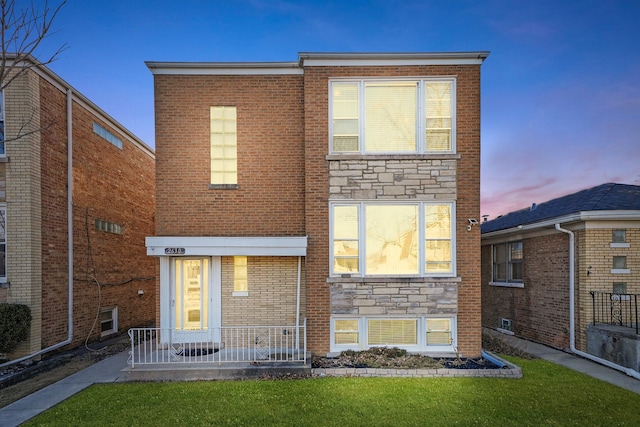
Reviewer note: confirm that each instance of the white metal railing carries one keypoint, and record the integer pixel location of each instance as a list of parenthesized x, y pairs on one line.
[(227, 344)]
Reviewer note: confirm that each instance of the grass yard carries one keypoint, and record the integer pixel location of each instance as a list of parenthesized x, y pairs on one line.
[(548, 395)]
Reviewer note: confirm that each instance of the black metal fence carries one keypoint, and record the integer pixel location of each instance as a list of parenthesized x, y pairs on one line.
[(615, 309)]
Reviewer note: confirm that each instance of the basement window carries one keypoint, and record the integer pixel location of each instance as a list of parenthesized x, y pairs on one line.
[(108, 321)]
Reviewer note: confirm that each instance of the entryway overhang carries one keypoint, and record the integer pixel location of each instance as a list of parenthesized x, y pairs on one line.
[(226, 246)]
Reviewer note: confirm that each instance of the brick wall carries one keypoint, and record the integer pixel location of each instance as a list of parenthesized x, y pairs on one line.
[(272, 290), (540, 310), (109, 184), (270, 194), (23, 198)]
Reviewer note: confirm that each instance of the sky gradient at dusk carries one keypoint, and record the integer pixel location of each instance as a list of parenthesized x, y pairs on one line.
[(560, 89)]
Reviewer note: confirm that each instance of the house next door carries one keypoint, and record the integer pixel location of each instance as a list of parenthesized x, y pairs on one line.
[(192, 316)]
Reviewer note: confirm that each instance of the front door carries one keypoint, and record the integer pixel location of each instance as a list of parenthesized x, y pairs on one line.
[(191, 300)]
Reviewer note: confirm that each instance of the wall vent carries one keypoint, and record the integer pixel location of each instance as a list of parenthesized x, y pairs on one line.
[(505, 324)]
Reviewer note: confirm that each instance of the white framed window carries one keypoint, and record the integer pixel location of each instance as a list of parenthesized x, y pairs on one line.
[(436, 334), (373, 116), (619, 236), (224, 144), (3, 243), (240, 276), (109, 321), (392, 239), (507, 263), (620, 265), (2, 126)]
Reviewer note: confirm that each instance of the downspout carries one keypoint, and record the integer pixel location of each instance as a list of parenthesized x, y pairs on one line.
[(69, 238), (572, 334), (298, 302)]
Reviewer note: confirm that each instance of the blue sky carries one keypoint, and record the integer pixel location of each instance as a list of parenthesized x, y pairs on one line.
[(560, 89)]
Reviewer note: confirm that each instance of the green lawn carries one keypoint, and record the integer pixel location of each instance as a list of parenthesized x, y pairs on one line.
[(548, 395)]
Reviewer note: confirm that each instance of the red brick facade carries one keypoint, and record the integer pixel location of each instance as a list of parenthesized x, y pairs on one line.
[(540, 310), (284, 173), (109, 184)]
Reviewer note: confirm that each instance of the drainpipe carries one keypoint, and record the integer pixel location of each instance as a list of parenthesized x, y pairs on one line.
[(572, 335), (69, 238), (298, 302)]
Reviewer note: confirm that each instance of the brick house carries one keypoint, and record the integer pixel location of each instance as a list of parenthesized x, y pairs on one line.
[(588, 241), (76, 196), (335, 195)]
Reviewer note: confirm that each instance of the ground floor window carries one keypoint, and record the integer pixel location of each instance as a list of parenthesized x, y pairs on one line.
[(413, 334), (108, 321)]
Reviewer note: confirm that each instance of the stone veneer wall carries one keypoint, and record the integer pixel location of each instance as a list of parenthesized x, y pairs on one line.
[(417, 298), (388, 178)]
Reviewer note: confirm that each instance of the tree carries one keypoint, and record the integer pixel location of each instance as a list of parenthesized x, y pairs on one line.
[(24, 28)]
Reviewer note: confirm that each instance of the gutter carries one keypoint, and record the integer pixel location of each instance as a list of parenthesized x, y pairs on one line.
[(572, 334), (69, 238), (632, 215)]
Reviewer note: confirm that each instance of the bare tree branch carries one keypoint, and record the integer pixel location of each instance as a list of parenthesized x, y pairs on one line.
[(22, 30)]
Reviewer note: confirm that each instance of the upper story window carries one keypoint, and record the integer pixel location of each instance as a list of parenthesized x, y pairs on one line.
[(619, 236), (105, 134), (407, 239), (507, 262), (2, 132), (392, 116), (224, 158)]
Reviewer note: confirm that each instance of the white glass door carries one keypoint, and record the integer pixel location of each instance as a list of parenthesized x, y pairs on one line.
[(191, 314)]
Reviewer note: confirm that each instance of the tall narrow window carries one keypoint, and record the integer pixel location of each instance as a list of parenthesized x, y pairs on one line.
[(240, 275), (345, 239), (224, 164), (438, 238), (345, 117), (439, 117)]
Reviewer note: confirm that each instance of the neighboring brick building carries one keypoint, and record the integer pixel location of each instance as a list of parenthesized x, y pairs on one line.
[(341, 189), (527, 275), (76, 194)]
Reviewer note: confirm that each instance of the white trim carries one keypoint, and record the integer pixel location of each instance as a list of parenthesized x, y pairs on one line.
[(620, 271), (224, 68), (310, 59), (226, 246), (620, 245), (617, 215)]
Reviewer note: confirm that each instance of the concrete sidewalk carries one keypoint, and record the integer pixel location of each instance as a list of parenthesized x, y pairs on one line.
[(110, 370), (105, 371)]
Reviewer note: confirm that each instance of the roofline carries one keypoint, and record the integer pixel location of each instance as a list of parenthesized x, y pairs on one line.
[(575, 217), (394, 58), (313, 59), (223, 68), (46, 73)]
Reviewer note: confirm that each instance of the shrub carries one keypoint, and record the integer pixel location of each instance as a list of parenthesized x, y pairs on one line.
[(15, 322)]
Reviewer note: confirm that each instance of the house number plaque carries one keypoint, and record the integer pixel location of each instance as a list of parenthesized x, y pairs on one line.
[(174, 251)]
